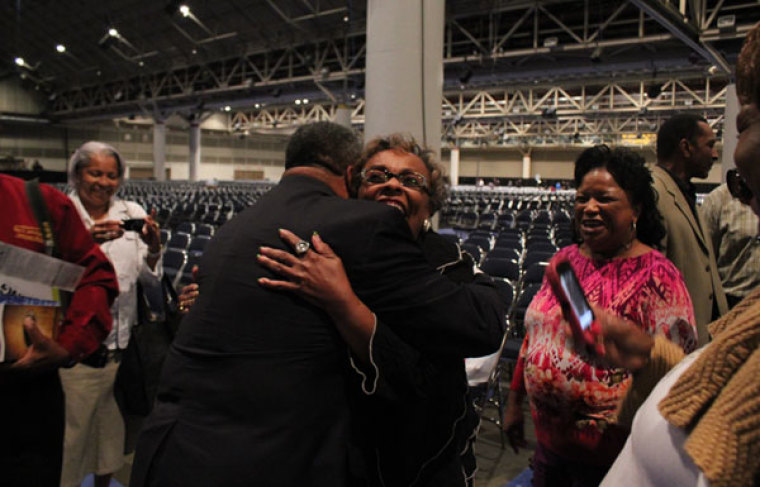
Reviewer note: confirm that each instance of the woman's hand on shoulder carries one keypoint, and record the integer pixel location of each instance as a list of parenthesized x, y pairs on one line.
[(317, 274)]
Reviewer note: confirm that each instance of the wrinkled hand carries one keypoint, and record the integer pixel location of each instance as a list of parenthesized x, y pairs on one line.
[(106, 230), (317, 276), (43, 352), (150, 233), (189, 293), (514, 424), (623, 343)]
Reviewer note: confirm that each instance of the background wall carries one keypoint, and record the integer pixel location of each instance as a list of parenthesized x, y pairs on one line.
[(222, 153), (548, 162)]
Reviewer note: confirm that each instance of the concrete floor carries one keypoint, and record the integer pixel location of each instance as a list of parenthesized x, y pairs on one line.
[(497, 466)]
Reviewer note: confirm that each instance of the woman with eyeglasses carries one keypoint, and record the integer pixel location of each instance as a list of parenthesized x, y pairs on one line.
[(419, 427)]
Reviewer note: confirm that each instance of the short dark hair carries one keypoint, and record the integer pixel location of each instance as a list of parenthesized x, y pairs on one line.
[(405, 143), (748, 68), (679, 126), (629, 171), (323, 144)]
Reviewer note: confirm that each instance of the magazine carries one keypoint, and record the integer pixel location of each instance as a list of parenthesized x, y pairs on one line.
[(33, 287)]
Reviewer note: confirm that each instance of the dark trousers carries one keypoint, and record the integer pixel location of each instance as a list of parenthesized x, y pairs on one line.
[(552, 470), (31, 425)]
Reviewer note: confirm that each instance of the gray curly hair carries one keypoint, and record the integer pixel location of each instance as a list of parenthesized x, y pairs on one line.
[(405, 143)]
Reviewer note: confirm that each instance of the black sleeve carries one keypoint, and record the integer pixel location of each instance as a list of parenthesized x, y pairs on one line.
[(424, 309)]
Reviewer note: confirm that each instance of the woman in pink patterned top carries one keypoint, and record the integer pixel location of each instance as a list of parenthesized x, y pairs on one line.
[(573, 397)]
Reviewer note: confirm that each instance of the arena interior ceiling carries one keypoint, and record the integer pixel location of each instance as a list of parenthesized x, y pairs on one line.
[(515, 71)]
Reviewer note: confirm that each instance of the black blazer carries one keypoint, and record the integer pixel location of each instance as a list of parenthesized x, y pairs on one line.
[(254, 390)]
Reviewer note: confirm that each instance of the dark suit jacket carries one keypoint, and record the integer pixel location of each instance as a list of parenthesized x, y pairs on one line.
[(254, 389)]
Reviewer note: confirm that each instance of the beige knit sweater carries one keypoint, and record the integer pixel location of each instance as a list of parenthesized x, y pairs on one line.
[(717, 399)]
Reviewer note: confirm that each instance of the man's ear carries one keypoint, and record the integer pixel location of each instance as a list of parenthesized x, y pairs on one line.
[(349, 176), (685, 147)]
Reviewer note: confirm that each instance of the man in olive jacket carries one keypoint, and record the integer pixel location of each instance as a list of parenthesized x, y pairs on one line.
[(686, 149)]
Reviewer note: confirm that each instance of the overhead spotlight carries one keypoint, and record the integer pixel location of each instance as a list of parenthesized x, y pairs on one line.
[(305, 101), (346, 18), (20, 61), (549, 112), (727, 23), (60, 48), (654, 90), (227, 108), (596, 55), (713, 70), (465, 76), (257, 105), (113, 32), (298, 101), (184, 10), (551, 42), (353, 96)]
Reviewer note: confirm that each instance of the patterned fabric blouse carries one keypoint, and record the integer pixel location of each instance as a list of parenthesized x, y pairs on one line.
[(573, 397)]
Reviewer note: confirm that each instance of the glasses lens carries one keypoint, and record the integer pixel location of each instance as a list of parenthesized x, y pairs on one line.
[(412, 180), (375, 176)]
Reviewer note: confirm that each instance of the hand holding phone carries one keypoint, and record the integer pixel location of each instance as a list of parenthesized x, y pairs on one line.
[(133, 225), (575, 307)]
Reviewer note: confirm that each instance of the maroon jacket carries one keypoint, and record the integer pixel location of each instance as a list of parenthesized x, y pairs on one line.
[(88, 319)]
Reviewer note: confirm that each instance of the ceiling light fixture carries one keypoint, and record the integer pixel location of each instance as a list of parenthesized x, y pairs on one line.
[(60, 48), (184, 10), (20, 61)]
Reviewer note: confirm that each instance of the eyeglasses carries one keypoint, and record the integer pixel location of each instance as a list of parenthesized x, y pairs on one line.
[(738, 187), (409, 179)]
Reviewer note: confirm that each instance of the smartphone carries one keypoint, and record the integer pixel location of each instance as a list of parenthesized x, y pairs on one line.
[(133, 225), (570, 294)]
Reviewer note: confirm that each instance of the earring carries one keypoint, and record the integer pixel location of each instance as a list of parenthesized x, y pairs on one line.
[(633, 228), (426, 225)]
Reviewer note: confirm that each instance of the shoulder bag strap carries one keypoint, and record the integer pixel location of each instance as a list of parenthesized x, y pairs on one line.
[(41, 214)]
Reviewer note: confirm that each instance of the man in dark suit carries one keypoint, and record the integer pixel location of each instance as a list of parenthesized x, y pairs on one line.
[(255, 390)]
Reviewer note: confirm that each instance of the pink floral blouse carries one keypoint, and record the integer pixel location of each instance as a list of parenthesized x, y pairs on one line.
[(573, 397)]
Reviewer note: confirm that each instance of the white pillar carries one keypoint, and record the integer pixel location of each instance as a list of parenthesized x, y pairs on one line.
[(729, 130), (454, 166), (404, 77), (343, 115), (195, 149), (159, 150), (526, 165)]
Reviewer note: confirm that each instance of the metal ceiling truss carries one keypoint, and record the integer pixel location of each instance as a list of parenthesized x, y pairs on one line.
[(548, 116), (514, 43), (261, 75)]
